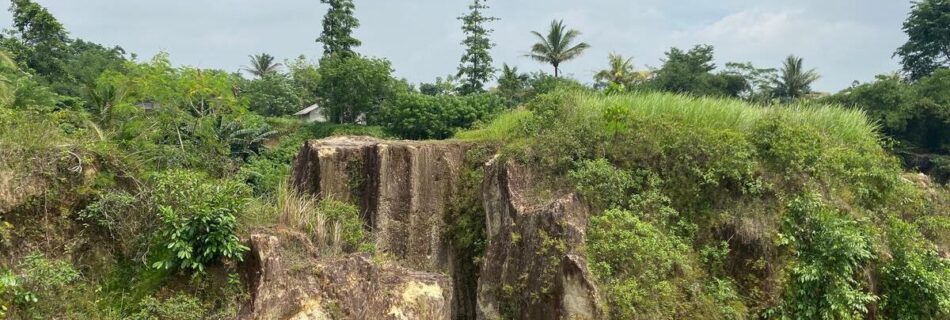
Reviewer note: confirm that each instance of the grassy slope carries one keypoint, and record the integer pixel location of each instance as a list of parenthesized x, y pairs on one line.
[(714, 208)]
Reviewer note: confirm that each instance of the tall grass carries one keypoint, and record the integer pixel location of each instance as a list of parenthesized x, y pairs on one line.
[(837, 124), (333, 226)]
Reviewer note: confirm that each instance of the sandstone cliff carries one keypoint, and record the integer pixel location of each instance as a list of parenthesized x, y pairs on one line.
[(533, 266)]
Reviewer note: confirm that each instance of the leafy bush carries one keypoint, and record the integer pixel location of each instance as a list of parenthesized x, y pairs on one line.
[(829, 251), (916, 283), (419, 116), (198, 224)]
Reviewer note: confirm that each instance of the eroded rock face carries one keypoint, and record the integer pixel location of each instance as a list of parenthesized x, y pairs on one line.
[(533, 267), (346, 287), (402, 187)]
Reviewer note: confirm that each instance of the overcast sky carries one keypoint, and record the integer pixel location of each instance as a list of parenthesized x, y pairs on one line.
[(845, 40)]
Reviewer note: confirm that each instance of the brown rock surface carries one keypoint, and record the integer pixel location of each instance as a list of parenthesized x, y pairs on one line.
[(401, 187), (345, 287), (533, 266)]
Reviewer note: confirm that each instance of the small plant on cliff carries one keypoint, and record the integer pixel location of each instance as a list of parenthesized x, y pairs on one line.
[(198, 224), (335, 226)]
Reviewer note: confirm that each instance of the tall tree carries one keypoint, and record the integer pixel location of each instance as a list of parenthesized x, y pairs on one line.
[(620, 72), (513, 85), (338, 25), (557, 46), (928, 43), (40, 40), (794, 82), (262, 65), (476, 68)]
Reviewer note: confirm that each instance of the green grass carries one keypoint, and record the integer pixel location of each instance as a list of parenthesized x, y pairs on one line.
[(840, 125)]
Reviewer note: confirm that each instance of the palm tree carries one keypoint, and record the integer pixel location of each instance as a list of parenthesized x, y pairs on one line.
[(557, 47), (262, 64), (620, 72), (794, 82)]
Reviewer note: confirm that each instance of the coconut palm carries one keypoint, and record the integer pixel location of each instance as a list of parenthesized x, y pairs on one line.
[(262, 64), (557, 46), (794, 82), (620, 71)]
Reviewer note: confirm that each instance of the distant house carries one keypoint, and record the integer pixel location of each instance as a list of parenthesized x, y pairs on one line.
[(312, 114), (148, 105)]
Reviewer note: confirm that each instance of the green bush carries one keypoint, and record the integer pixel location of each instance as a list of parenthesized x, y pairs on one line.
[(420, 116), (197, 218), (830, 250), (915, 284)]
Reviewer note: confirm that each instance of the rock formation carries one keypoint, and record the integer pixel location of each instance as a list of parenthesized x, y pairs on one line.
[(347, 287), (533, 266)]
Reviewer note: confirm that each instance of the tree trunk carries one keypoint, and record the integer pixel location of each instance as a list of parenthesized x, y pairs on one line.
[(555, 70)]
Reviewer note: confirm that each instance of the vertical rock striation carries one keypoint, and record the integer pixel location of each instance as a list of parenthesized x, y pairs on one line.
[(533, 266), (402, 188)]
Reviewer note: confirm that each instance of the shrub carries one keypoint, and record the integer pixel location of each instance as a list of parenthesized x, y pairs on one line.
[(830, 250), (124, 217), (197, 218), (419, 116), (916, 283), (648, 273), (602, 185)]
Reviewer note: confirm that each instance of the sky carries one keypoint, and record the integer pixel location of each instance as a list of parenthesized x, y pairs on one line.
[(844, 40)]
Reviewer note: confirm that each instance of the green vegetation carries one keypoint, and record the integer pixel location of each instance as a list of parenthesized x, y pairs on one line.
[(714, 208), (716, 193), (928, 47)]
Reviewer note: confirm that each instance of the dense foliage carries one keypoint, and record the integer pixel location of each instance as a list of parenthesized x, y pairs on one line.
[(419, 116), (707, 208), (913, 114), (928, 46)]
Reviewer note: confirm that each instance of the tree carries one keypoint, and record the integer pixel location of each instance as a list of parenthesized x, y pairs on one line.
[(338, 25), (271, 95), (794, 82), (557, 47), (758, 82), (418, 116), (692, 72), (262, 65), (305, 76), (442, 86), (513, 85), (928, 43), (353, 88), (43, 42), (476, 68), (620, 72)]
